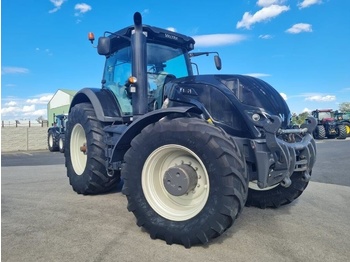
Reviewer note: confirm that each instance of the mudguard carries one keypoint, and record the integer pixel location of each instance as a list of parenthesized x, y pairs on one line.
[(104, 103)]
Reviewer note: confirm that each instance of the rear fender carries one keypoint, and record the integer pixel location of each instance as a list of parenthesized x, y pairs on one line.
[(103, 102)]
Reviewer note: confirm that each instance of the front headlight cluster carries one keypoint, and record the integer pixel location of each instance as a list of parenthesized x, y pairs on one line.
[(257, 117)]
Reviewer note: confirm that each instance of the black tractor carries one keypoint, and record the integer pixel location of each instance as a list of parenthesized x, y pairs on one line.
[(191, 150), (327, 126), (56, 133)]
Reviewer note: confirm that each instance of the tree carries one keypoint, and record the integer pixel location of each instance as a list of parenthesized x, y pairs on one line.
[(299, 119), (40, 119), (344, 107)]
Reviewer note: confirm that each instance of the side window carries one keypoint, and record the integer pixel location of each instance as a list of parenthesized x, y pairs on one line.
[(117, 71)]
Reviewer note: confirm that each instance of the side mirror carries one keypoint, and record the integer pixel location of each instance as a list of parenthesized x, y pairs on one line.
[(217, 61), (104, 45)]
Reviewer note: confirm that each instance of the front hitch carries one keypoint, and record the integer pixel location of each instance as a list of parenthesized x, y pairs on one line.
[(278, 159)]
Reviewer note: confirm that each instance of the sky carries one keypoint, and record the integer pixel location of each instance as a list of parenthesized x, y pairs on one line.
[(300, 47)]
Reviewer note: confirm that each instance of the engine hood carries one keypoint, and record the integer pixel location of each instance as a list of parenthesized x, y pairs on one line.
[(245, 92)]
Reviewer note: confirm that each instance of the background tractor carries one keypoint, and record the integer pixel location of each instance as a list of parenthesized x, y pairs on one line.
[(343, 118), (327, 126), (192, 150), (56, 133)]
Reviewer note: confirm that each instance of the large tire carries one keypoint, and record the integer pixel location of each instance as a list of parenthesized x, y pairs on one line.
[(320, 132), (276, 196), (341, 132), (85, 152), (52, 142), (217, 168)]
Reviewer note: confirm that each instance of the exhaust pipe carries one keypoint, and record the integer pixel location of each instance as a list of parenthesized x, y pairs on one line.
[(139, 68)]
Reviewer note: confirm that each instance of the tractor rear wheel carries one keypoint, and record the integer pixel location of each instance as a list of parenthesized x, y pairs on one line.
[(277, 195), (51, 141), (185, 181), (85, 152), (61, 143), (341, 132)]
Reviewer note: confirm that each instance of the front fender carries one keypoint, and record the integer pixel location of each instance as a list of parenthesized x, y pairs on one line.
[(140, 123)]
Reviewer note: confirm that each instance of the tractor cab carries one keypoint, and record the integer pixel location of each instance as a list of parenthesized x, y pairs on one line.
[(164, 56), (159, 57)]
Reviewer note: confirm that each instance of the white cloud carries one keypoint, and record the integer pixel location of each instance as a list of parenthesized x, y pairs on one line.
[(82, 8), (11, 103), (307, 3), (13, 70), (41, 100), (27, 109), (57, 4), (265, 14), (265, 37), (307, 110), (145, 11), (172, 29), (284, 96), (265, 3), (217, 39), (40, 112), (321, 98), (299, 28), (9, 110)]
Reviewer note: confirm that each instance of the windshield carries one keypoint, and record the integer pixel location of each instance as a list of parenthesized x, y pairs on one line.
[(322, 115), (161, 61)]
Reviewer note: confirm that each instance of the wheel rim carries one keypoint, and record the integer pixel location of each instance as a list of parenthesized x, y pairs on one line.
[(254, 185), (60, 143), (50, 140), (78, 156), (347, 128), (176, 208)]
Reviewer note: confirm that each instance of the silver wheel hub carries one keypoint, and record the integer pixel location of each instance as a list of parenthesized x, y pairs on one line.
[(180, 180)]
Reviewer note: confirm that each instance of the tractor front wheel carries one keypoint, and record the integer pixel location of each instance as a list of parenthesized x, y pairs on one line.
[(341, 130), (185, 180), (85, 152), (277, 195), (320, 132)]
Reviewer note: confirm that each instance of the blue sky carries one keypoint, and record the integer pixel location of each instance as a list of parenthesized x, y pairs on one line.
[(300, 47)]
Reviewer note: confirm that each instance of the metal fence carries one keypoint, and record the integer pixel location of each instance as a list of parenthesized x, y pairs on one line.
[(27, 123)]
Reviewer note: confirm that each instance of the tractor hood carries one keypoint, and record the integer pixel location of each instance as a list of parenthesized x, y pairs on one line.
[(226, 97), (328, 119)]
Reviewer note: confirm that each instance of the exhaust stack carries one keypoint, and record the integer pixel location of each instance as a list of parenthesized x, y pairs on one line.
[(139, 67)]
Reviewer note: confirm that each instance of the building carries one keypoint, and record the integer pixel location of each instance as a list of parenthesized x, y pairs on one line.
[(59, 104)]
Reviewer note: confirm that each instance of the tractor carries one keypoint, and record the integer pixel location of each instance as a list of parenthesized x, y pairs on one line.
[(327, 126), (189, 150), (56, 133), (344, 119)]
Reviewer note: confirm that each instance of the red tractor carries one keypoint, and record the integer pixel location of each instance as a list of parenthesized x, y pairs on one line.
[(327, 127)]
